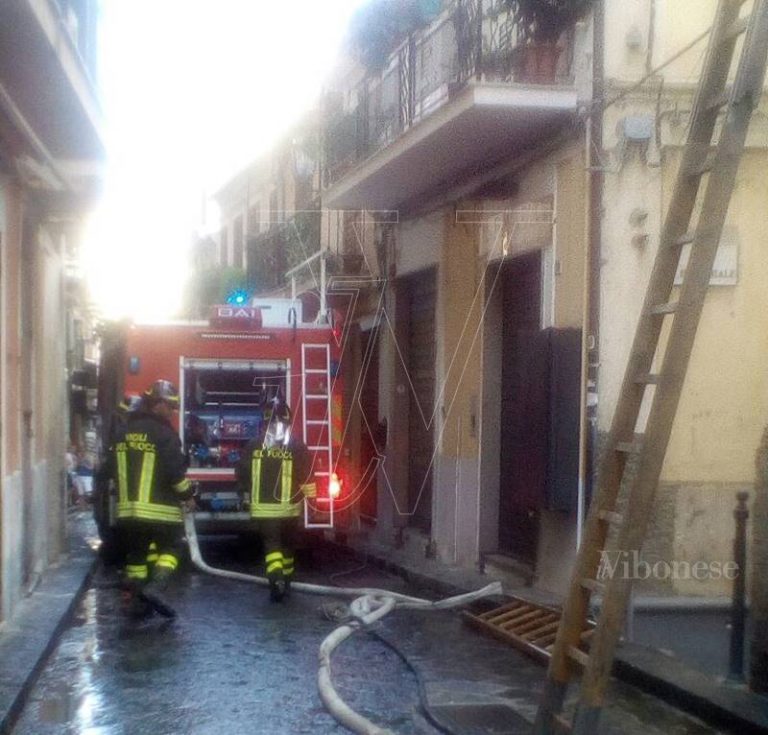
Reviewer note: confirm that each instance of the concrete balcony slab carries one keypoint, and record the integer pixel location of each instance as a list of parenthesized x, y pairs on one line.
[(44, 81), (482, 125)]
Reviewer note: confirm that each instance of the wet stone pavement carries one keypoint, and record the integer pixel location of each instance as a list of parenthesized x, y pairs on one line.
[(232, 663)]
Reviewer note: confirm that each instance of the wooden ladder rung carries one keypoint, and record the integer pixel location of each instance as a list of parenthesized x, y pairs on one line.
[(610, 516), (670, 307), (510, 616), (546, 641), (685, 239), (538, 633), (718, 101), (647, 379), (628, 447), (536, 614), (577, 655), (736, 28), (499, 610), (533, 625), (704, 167), (592, 585)]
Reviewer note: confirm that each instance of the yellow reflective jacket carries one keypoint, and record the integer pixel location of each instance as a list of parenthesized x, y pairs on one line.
[(276, 478), (149, 469)]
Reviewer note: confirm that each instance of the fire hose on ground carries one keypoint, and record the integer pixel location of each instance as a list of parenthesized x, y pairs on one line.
[(369, 606)]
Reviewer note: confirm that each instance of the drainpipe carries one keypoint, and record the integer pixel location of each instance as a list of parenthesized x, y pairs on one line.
[(581, 501), (651, 33), (593, 141)]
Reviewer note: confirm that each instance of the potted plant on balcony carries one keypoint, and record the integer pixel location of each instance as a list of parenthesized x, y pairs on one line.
[(540, 25)]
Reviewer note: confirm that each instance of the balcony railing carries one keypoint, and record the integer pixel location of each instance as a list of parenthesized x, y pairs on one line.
[(472, 39), (283, 246)]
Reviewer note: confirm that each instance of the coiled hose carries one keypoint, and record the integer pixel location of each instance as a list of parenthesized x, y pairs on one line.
[(369, 606)]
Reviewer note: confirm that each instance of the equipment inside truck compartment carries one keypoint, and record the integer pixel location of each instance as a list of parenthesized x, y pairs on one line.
[(222, 407)]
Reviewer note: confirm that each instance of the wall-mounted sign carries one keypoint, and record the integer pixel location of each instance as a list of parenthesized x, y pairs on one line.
[(725, 271)]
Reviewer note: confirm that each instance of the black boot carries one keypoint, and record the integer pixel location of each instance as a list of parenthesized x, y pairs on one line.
[(274, 566), (134, 604), (155, 592), (277, 590), (287, 574)]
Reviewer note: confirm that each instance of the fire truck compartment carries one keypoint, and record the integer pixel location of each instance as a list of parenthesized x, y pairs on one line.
[(222, 404)]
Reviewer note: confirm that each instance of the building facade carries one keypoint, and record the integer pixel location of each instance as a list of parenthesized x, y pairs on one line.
[(50, 147), (510, 194), (477, 155), (724, 405), (528, 201)]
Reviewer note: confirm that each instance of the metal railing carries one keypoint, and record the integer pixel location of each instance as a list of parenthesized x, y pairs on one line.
[(471, 39), (283, 246)]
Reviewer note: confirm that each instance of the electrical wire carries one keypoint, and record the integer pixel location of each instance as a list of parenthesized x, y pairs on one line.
[(654, 72)]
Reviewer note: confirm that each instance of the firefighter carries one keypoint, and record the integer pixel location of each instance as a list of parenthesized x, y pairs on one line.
[(149, 468), (111, 548), (274, 469)]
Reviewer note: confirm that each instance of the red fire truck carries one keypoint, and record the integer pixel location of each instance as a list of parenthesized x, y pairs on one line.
[(226, 370)]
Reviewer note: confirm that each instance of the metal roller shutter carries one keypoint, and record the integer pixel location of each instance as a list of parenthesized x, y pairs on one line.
[(422, 294)]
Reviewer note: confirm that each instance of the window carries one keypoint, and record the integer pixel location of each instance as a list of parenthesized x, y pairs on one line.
[(254, 219), (237, 243), (272, 209), (223, 246)]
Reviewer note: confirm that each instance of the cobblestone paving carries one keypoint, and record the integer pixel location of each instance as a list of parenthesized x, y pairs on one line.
[(232, 663)]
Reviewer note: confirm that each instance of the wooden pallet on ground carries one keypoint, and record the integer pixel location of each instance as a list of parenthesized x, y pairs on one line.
[(528, 626)]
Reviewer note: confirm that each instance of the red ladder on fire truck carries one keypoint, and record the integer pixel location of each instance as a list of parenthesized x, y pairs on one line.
[(316, 417), (594, 658)]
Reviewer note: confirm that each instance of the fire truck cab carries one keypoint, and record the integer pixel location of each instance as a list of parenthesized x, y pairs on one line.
[(227, 370)]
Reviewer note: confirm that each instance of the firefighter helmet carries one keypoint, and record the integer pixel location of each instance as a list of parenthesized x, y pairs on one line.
[(277, 418), (278, 409), (129, 404), (162, 390)]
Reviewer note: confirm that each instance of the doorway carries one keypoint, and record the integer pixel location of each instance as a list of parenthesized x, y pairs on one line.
[(371, 441), (524, 421), (420, 298)]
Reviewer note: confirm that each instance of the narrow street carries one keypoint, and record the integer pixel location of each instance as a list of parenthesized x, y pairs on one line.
[(233, 662), (468, 293)]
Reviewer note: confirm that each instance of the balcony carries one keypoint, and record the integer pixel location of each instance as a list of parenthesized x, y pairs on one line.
[(455, 99), (284, 246), (46, 87)]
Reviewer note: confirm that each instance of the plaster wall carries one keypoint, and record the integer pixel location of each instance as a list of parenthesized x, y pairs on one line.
[(724, 405), (643, 34), (725, 399), (419, 243), (625, 267), (33, 399), (51, 395), (456, 489), (10, 327), (12, 543)]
